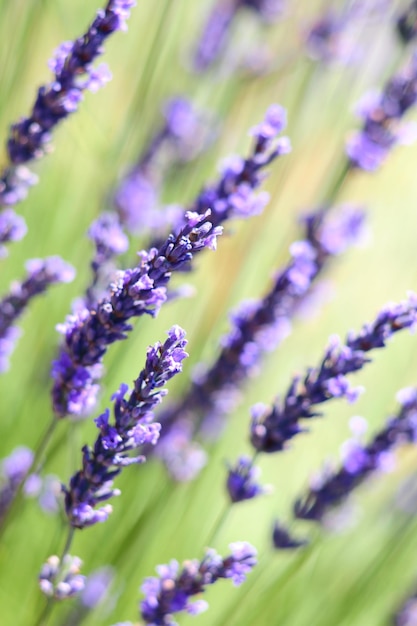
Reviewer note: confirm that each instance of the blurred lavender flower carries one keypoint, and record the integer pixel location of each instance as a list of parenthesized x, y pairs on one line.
[(360, 461), (61, 581), (242, 481), (142, 290), (96, 587), (407, 23), (12, 228), (216, 31), (132, 428), (257, 326), (283, 540), (171, 591), (73, 73), (272, 427), (41, 274), (14, 469), (382, 115)]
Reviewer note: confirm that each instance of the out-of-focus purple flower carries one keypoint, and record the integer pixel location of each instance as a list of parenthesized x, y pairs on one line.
[(61, 581), (283, 540), (12, 228), (382, 115), (360, 461), (242, 481), (272, 427), (183, 457), (96, 587), (216, 30), (41, 274), (259, 326), (407, 23), (406, 615), (172, 590), (131, 428)]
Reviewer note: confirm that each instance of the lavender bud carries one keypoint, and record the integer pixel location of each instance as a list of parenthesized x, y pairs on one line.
[(242, 481), (171, 591), (61, 581), (282, 540)]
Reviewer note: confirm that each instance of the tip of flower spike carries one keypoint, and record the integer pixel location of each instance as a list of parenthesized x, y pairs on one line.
[(274, 123)]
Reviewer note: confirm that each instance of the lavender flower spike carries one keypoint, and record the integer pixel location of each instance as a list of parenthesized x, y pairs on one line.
[(137, 292), (361, 461), (273, 427), (171, 591), (242, 481), (73, 73), (41, 274), (132, 427), (12, 228), (382, 115)]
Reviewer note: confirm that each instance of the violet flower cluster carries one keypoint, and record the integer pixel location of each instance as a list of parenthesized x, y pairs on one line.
[(360, 461), (12, 228), (257, 326), (41, 274), (272, 427), (382, 117), (61, 581), (143, 290), (132, 427), (73, 74), (172, 590)]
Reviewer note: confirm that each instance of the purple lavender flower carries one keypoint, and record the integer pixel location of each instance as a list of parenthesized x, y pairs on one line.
[(14, 469), (132, 428), (142, 290), (61, 581), (407, 23), (96, 587), (41, 274), (283, 540), (257, 326), (272, 427), (171, 591), (382, 115), (73, 73), (360, 461), (242, 481), (406, 615), (12, 228)]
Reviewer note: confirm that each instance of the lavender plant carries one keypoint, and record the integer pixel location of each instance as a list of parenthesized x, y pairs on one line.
[(59, 477)]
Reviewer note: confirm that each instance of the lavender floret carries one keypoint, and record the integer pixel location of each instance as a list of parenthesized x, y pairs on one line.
[(41, 274), (14, 469), (382, 115), (360, 461), (171, 591), (272, 427), (131, 428)]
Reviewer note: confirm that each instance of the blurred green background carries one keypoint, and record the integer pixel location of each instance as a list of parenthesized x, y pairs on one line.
[(353, 577)]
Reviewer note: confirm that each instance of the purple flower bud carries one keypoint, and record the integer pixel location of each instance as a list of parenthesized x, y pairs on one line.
[(242, 481), (282, 540), (61, 581), (12, 228), (96, 587)]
